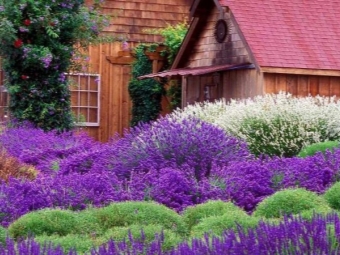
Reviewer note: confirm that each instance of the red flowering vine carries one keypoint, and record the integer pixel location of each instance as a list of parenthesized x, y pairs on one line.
[(18, 43), (27, 22)]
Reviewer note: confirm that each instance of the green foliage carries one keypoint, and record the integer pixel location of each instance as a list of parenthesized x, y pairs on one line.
[(124, 214), (332, 196), (193, 215), (3, 235), (173, 36), (38, 42), (80, 243), (320, 210), (312, 149), (149, 233), (175, 94), (145, 94), (47, 221), (287, 202), (216, 225)]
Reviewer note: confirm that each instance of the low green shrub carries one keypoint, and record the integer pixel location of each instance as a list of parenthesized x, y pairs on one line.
[(216, 225), (171, 239), (318, 147), (310, 214), (332, 196), (46, 221), (80, 243), (192, 215), (124, 214), (3, 235), (287, 202)]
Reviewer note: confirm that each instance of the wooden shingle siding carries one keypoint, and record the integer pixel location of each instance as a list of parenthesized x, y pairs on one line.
[(302, 85), (131, 18), (207, 51)]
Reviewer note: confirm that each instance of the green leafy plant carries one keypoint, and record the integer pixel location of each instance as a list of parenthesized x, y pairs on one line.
[(40, 42), (312, 149), (145, 94), (216, 225), (193, 215), (144, 232), (46, 221), (332, 196), (288, 202), (124, 214)]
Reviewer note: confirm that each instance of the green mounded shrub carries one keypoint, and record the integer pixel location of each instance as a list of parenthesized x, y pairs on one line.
[(124, 214), (3, 235), (287, 202), (216, 225), (318, 147), (46, 221), (193, 215), (80, 243), (171, 239), (332, 196), (310, 214)]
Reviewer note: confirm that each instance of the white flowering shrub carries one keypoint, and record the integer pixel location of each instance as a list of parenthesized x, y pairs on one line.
[(273, 124)]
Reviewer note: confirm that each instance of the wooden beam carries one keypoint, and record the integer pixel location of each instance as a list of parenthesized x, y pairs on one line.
[(120, 60), (302, 71), (184, 91)]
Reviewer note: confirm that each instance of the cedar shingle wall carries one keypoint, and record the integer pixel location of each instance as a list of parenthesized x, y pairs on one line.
[(132, 17), (207, 51)]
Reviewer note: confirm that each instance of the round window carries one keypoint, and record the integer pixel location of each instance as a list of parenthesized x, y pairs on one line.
[(221, 30)]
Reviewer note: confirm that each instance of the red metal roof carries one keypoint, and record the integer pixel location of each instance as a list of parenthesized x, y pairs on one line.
[(197, 70), (290, 33)]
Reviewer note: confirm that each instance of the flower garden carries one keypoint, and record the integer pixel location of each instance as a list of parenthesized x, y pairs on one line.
[(257, 176)]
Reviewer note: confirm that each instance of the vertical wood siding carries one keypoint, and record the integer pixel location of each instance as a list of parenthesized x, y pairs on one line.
[(302, 85)]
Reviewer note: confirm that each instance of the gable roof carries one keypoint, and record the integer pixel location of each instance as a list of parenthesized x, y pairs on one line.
[(290, 33)]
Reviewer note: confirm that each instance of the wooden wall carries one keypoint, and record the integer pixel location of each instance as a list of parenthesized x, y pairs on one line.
[(242, 83), (132, 18), (207, 51), (233, 84), (302, 85)]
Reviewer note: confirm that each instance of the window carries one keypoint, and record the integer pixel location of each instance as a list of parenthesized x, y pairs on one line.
[(85, 98)]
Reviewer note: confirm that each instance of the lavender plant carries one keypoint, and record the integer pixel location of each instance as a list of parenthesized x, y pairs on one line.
[(189, 144), (44, 150)]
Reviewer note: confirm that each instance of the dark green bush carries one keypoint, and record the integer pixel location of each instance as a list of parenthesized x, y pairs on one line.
[(287, 202), (318, 147), (124, 214), (150, 231), (332, 196), (216, 225), (193, 215), (47, 221)]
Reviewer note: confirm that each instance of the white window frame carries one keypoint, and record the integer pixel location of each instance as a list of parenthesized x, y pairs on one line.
[(78, 107)]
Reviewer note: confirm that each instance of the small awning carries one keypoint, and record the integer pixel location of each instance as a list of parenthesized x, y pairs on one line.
[(197, 70)]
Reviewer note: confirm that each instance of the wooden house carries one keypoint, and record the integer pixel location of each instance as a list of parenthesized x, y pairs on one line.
[(242, 48), (101, 96)]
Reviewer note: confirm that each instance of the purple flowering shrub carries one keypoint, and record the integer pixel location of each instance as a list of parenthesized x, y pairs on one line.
[(74, 191), (181, 144), (43, 149)]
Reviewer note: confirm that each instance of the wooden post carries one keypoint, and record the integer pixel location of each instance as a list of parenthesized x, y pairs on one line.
[(184, 91)]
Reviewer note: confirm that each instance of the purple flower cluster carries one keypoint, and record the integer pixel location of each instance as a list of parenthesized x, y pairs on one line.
[(189, 145), (43, 149)]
